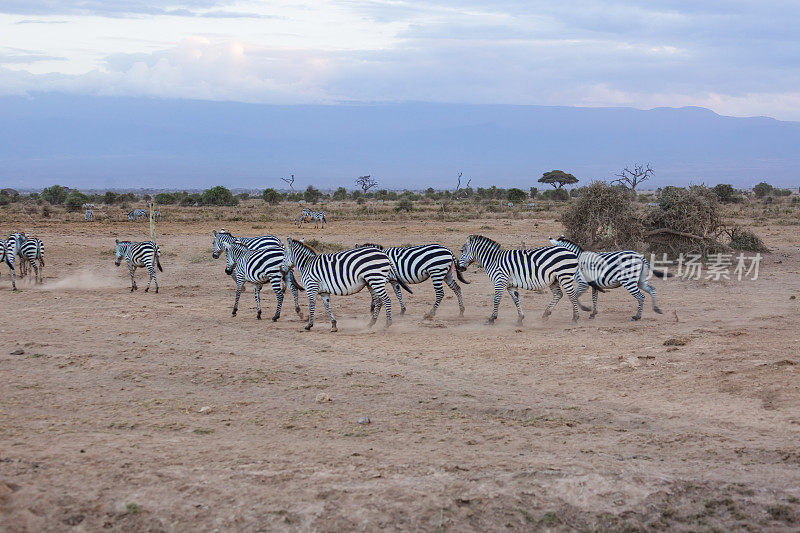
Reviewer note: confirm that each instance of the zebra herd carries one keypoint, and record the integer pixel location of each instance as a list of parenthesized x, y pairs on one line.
[(563, 267), (307, 215), (30, 250)]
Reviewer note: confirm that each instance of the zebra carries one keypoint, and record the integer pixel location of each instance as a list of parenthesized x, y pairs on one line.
[(7, 253), (609, 270), (139, 254), (302, 217), (89, 215), (317, 216), (341, 273), (531, 269), (256, 267), (415, 264), (264, 242), (30, 250), (136, 214)]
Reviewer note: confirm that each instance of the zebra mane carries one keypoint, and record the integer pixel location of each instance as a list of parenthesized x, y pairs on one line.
[(307, 247), (480, 239), (370, 245), (573, 243)]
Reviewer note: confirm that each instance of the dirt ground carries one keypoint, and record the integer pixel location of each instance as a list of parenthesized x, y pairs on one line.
[(161, 412)]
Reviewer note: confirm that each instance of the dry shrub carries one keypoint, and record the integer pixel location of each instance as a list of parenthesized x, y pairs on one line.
[(603, 217), (742, 239), (686, 221)]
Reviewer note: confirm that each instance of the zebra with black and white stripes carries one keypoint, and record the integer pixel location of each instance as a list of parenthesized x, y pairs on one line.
[(258, 267), (531, 269), (12, 247), (137, 214), (88, 215), (30, 250), (7, 253), (264, 242), (317, 216), (609, 270), (415, 264), (139, 254), (341, 273)]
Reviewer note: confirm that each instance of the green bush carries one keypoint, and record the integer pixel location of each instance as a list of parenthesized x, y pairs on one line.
[(516, 195), (218, 195), (55, 194), (603, 216), (166, 198), (311, 194), (762, 189), (404, 205), (725, 193), (742, 239), (271, 196), (75, 201), (110, 198), (340, 194)]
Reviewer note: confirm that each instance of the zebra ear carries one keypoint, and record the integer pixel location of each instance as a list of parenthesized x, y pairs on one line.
[(116, 241), (214, 232), (227, 245)]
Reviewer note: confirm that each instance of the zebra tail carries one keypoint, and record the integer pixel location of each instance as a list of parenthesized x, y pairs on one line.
[(458, 273), (400, 282), (158, 263), (294, 281), (594, 285), (661, 273)]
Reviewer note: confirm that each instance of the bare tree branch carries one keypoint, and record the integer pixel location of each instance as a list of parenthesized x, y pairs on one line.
[(633, 178), (290, 181)]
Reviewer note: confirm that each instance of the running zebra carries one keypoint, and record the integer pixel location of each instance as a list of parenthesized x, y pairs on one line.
[(7, 253), (30, 250), (264, 242), (257, 267), (609, 270), (341, 273), (531, 269), (139, 254), (415, 264), (88, 215), (137, 214), (12, 246)]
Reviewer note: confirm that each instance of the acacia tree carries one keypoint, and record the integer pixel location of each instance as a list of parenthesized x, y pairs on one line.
[(631, 178), (558, 178), (366, 183)]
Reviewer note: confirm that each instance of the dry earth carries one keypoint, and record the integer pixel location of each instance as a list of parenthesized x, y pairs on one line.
[(153, 412)]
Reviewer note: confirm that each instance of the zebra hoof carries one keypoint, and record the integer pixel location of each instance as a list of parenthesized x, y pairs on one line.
[(132, 289), (234, 313), (426, 316), (658, 310), (461, 312), (147, 289), (258, 316), (334, 329), (635, 318), (490, 322), (402, 310), (156, 290), (275, 318), (308, 328), (592, 315)]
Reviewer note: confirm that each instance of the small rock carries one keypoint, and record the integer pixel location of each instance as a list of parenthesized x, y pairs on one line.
[(792, 297), (18, 351), (205, 409), (323, 397), (364, 420)]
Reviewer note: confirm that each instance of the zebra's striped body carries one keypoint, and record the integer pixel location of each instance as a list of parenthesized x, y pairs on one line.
[(7, 253), (256, 267), (341, 273), (264, 242), (609, 270), (415, 264), (88, 215), (12, 246), (137, 214), (139, 254), (317, 216), (302, 217), (30, 250), (531, 269)]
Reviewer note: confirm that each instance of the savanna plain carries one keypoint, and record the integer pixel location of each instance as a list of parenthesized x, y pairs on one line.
[(161, 412)]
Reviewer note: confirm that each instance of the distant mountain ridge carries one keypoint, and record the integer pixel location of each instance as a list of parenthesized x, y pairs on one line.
[(105, 142)]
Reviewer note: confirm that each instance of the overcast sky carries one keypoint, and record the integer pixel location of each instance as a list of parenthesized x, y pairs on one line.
[(735, 57)]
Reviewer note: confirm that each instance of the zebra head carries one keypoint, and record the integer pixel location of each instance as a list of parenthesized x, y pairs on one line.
[(566, 243), (467, 256), (233, 252), (121, 248), (220, 238), (297, 253)]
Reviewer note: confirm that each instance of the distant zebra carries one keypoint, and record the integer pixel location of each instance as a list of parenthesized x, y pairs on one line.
[(302, 217), (7, 253), (531, 269), (317, 216), (256, 267), (609, 270), (89, 215), (415, 264), (30, 250), (136, 214), (341, 273), (139, 254), (156, 215)]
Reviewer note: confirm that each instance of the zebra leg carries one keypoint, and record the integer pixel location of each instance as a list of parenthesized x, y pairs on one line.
[(498, 295), (595, 292), (326, 300), (236, 300), (35, 271), (132, 269), (557, 294), (293, 288), (644, 285), (582, 286), (13, 278), (375, 306), (568, 284), (277, 289), (515, 296), (396, 287), (438, 288), (257, 295), (311, 292), (633, 288), (456, 289), (152, 276)]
